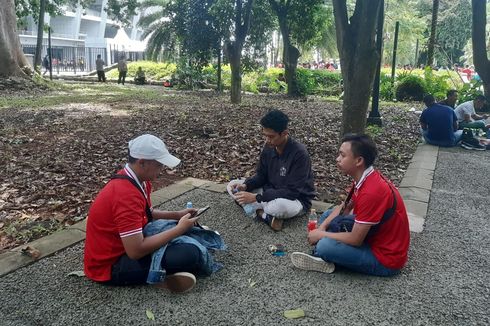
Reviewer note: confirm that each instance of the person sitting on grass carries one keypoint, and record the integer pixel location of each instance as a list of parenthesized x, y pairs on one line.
[(374, 217), (140, 78), (129, 243), (282, 187), (439, 124)]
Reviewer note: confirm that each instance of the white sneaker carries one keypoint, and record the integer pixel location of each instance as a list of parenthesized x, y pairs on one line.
[(310, 263), (178, 283)]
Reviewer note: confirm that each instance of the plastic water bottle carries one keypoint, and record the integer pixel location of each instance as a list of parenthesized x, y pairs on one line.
[(188, 205), (249, 209), (312, 220)]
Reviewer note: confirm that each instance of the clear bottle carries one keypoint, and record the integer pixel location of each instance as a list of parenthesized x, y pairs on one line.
[(312, 220), (188, 205)]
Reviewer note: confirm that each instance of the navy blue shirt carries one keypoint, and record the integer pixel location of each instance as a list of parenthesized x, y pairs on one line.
[(288, 175), (440, 122)]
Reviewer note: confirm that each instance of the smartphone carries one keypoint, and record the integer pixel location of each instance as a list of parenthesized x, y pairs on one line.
[(201, 210)]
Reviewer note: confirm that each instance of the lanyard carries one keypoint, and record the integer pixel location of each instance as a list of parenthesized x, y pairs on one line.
[(133, 176)]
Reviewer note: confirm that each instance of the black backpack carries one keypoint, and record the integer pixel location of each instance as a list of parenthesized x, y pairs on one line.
[(342, 223)]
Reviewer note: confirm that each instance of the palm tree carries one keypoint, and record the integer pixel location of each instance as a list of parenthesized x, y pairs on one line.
[(157, 24)]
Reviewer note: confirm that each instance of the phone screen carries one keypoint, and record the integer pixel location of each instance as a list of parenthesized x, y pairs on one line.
[(202, 210)]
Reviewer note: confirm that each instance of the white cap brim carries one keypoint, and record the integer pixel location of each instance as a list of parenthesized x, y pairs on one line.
[(168, 160)]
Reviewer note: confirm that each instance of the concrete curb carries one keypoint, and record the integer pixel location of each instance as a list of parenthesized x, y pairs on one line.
[(416, 185)]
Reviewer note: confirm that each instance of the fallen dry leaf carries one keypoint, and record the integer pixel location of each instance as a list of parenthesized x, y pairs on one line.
[(31, 252)]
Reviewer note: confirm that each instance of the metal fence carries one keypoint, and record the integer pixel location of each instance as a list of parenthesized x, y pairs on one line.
[(115, 54), (65, 58), (81, 58)]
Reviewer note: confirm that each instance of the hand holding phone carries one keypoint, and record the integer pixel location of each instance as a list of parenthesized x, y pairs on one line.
[(201, 211)]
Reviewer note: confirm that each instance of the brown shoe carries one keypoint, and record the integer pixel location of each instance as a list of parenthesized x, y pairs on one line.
[(276, 224), (273, 222), (178, 283)]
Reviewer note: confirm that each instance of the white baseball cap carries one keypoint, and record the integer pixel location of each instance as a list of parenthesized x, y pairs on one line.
[(149, 147)]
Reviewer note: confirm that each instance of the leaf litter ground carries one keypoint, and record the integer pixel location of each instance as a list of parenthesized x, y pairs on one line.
[(56, 158)]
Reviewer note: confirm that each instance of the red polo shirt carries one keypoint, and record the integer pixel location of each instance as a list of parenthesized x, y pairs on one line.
[(118, 211), (390, 243)]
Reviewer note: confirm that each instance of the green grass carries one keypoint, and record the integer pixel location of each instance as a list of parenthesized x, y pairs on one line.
[(82, 93)]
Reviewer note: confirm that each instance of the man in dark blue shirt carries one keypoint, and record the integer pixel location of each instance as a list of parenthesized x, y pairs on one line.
[(439, 124), (283, 184)]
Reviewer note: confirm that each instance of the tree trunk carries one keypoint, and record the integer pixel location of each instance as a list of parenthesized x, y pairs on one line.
[(234, 53), (233, 49), (219, 87), (478, 36), (40, 30), (11, 55), (358, 59), (433, 28), (290, 53), (291, 56)]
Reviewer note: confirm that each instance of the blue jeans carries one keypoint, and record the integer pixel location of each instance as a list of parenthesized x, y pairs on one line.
[(204, 240), (447, 143), (358, 259), (181, 257)]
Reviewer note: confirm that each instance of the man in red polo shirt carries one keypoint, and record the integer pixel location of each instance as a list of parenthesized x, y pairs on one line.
[(379, 239), (116, 252)]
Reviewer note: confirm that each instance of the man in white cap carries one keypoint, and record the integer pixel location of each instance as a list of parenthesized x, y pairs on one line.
[(116, 251)]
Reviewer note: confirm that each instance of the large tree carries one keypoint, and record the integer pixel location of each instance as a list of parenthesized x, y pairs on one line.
[(11, 54), (453, 30), (300, 22), (433, 30), (358, 59), (184, 23), (479, 39), (234, 46)]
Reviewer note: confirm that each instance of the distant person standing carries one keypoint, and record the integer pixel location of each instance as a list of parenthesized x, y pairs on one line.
[(99, 66), (122, 66), (46, 64)]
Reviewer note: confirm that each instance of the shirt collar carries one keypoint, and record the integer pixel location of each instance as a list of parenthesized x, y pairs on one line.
[(132, 175), (365, 174), (286, 148)]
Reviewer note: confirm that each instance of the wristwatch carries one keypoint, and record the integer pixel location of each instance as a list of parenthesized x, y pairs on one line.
[(258, 198)]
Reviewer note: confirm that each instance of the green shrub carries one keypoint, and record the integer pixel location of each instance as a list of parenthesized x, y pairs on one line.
[(187, 76), (436, 85), (306, 83), (469, 91), (249, 82), (385, 88), (268, 81), (210, 75), (153, 70), (321, 82), (410, 88)]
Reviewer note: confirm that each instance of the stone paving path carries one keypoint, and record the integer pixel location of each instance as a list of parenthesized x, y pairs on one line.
[(444, 283)]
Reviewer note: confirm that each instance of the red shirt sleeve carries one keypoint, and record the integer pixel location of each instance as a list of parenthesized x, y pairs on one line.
[(369, 208), (129, 213)]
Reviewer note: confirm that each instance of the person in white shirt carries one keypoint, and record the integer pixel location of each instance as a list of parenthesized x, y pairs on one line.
[(467, 117)]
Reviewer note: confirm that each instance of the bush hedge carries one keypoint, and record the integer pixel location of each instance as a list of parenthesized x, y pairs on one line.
[(153, 70), (409, 85), (410, 88)]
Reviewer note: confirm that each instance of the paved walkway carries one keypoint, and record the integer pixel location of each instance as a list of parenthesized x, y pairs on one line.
[(444, 283)]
